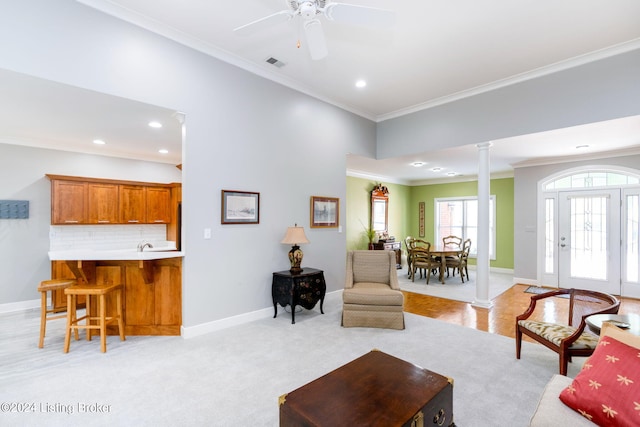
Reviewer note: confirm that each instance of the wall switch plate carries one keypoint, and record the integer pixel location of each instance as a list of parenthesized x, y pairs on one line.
[(207, 233), (339, 229)]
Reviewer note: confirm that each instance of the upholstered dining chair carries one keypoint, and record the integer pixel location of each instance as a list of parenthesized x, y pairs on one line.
[(423, 260), (459, 262), (452, 241), (407, 245), (568, 338), (372, 297)]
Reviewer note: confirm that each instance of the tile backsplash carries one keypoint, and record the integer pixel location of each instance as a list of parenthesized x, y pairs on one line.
[(105, 237)]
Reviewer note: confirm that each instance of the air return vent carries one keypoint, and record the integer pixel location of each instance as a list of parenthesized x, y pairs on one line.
[(273, 61)]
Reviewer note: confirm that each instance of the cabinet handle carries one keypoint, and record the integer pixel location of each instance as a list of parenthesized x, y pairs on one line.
[(133, 220), (71, 221), (103, 221), (158, 220)]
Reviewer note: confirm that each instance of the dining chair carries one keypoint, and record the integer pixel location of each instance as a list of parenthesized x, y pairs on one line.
[(407, 245), (424, 261), (459, 262)]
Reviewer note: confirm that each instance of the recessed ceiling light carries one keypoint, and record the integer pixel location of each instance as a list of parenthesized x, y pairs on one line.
[(451, 174), (579, 147), (163, 151), (361, 83), (436, 169), (99, 142), (417, 164), (155, 124)]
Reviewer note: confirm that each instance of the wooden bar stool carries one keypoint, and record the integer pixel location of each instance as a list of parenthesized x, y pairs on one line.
[(102, 320), (44, 288)]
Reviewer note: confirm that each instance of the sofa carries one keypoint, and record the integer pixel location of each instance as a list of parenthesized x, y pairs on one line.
[(613, 401)]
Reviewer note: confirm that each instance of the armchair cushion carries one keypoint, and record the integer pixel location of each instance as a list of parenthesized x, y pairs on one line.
[(556, 333), (371, 293)]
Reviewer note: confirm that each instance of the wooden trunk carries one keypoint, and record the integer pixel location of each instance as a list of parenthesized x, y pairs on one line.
[(374, 390)]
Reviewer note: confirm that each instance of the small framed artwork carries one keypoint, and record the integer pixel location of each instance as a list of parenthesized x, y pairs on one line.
[(325, 212), (240, 207), (421, 218)]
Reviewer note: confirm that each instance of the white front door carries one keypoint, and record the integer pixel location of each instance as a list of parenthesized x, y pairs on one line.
[(589, 240)]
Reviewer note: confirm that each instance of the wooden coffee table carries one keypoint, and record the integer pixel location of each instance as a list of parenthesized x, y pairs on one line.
[(376, 389), (632, 320)]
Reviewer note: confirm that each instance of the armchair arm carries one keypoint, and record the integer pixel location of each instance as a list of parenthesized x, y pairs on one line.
[(348, 282), (534, 300), (393, 274)]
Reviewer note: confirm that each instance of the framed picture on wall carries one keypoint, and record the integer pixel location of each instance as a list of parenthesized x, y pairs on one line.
[(421, 218), (240, 207), (325, 212)]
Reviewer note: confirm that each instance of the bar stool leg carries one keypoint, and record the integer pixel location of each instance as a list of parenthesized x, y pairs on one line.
[(43, 317), (103, 327), (119, 311), (70, 309), (88, 315)]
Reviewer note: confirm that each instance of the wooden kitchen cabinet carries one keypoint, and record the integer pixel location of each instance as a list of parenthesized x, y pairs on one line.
[(77, 200), (68, 202), (133, 209), (158, 205), (154, 308), (152, 302), (102, 205)]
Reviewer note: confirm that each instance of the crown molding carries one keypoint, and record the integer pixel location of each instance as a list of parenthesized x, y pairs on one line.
[(518, 78)]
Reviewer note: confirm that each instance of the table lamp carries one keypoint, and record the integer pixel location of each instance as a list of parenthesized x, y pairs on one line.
[(294, 236)]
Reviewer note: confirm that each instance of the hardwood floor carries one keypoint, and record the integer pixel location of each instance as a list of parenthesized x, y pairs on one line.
[(499, 319)]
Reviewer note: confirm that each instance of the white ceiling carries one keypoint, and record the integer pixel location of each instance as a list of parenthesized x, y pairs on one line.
[(437, 51)]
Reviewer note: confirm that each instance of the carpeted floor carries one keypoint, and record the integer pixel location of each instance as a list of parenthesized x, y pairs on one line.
[(453, 288), (235, 376)]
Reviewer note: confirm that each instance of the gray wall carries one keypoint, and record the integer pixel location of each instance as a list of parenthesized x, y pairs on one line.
[(526, 182), (24, 242), (242, 133), (597, 91)]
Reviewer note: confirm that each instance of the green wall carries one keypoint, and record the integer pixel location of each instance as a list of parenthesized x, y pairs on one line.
[(358, 211), (403, 212)]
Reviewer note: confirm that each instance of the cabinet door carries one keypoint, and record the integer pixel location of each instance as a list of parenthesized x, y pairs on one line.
[(132, 204), (103, 203), (68, 202), (158, 205)]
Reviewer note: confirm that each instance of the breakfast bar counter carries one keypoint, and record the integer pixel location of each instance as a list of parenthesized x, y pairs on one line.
[(152, 284)]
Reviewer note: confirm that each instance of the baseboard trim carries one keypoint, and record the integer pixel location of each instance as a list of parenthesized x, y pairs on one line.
[(19, 306), (217, 325)]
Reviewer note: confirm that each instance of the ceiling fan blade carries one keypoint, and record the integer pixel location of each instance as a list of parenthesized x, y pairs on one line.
[(315, 39), (360, 15), (263, 23)]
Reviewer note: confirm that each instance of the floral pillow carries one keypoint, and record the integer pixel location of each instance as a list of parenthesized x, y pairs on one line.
[(607, 389)]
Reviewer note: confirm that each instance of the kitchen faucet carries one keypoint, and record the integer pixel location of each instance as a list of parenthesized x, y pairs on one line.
[(143, 245)]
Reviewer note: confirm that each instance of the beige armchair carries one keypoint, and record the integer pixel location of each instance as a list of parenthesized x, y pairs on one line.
[(372, 296)]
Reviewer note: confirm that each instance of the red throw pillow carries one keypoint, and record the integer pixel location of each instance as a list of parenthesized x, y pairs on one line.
[(607, 389)]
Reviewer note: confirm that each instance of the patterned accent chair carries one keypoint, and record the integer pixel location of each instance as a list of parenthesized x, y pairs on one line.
[(569, 338), (372, 296)]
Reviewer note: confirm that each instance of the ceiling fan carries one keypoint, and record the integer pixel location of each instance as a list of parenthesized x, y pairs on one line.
[(310, 10)]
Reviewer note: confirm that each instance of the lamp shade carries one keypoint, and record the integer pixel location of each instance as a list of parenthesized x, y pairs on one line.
[(295, 235)]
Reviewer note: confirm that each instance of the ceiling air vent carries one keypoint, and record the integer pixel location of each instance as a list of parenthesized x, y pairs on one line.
[(274, 61)]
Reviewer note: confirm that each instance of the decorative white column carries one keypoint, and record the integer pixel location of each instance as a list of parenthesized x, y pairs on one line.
[(483, 246)]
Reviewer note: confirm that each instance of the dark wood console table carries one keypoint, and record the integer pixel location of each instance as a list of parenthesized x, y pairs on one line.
[(304, 289), (391, 246)]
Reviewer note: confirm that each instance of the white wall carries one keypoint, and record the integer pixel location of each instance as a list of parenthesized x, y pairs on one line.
[(242, 133), (24, 243)]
